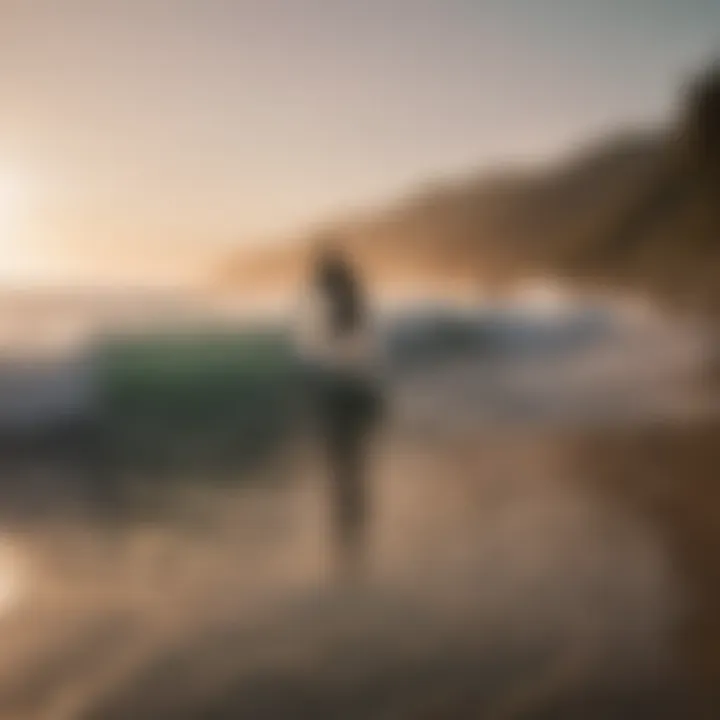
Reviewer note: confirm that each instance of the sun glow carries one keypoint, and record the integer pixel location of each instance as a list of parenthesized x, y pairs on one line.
[(12, 197), (14, 207)]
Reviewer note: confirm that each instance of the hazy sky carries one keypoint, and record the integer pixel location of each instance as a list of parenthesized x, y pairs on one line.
[(173, 121)]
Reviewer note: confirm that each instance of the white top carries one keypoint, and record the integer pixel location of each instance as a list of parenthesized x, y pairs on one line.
[(356, 351)]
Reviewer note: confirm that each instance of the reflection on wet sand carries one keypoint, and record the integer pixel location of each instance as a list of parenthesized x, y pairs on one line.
[(516, 576)]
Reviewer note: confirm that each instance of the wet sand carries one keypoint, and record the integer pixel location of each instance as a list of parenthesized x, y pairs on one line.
[(509, 574)]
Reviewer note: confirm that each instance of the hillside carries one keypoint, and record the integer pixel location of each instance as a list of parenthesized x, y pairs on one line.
[(635, 211)]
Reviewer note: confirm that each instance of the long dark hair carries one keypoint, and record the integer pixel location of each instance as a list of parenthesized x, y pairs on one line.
[(336, 279)]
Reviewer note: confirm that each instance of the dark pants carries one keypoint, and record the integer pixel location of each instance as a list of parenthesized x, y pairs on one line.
[(348, 410)]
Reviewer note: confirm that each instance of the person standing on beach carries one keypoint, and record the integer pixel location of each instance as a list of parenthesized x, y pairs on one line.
[(338, 348)]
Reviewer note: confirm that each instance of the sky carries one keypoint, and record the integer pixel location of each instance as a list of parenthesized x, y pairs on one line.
[(160, 129)]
